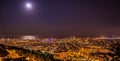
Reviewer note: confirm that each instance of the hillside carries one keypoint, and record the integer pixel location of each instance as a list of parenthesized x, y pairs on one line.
[(12, 53)]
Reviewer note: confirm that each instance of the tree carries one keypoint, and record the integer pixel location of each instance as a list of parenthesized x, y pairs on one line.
[(3, 52)]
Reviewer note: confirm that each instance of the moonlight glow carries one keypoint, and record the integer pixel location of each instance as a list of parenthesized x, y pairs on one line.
[(28, 5)]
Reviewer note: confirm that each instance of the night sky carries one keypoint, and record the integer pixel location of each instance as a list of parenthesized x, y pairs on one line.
[(59, 17)]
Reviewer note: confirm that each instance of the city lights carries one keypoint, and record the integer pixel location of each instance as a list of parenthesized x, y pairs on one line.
[(29, 37)]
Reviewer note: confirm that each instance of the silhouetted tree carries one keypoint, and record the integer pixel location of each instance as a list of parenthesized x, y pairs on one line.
[(3, 52)]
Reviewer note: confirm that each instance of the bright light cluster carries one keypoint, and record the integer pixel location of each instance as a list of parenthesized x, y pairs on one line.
[(29, 37)]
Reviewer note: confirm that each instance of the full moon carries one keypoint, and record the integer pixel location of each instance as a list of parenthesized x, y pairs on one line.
[(28, 5)]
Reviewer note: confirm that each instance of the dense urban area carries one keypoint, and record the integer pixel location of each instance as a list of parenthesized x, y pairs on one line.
[(73, 49)]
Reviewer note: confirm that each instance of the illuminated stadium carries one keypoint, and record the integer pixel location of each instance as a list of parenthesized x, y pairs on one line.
[(29, 37)]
